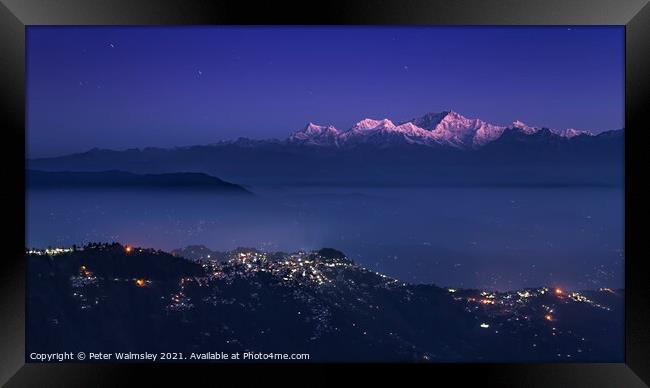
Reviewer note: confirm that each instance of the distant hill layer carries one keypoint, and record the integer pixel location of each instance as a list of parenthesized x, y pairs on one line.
[(122, 179)]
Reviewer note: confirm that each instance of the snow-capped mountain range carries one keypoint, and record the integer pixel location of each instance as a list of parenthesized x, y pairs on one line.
[(435, 149), (446, 128)]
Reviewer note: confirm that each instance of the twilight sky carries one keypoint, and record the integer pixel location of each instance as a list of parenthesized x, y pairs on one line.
[(123, 87)]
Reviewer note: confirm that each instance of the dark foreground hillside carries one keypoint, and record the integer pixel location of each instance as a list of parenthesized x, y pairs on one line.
[(111, 298)]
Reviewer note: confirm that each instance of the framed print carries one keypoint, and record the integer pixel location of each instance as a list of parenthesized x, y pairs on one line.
[(445, 188)]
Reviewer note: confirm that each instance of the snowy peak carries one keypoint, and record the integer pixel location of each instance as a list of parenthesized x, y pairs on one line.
[(572, 132), (567, 133), (519, 124), (523, 127), (411, 129), (383, 133), (458, 131), (454, 116), (370, 124), (387, 125), (429, 120), (314, 134), (312, 128)]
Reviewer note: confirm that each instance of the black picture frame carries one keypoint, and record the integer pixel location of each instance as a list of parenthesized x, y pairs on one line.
[(15, 15)]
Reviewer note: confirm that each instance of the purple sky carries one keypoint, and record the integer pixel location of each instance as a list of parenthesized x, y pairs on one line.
[(122, 87)]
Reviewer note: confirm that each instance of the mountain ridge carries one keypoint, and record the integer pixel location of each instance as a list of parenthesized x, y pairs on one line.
[(447, 128), (456, 151)]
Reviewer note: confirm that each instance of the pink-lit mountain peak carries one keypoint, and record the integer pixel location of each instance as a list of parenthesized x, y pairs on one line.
[(523, 127), (429, 120), (368, 124), (567, 133), (315, 128), (452, 115), (456, 130), (572, 132), (315, 134)]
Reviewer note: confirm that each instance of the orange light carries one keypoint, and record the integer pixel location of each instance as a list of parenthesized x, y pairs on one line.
[(128, 249), (548, 317), (139, 282), (558, 291)]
